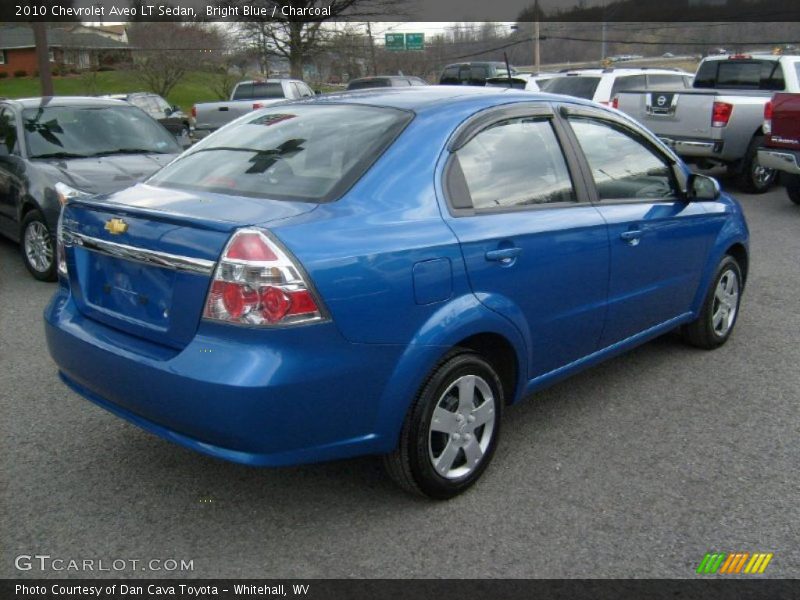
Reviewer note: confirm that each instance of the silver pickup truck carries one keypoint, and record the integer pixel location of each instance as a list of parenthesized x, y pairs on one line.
[(245, 97), (719, 121)]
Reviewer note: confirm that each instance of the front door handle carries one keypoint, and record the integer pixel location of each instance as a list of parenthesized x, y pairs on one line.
[(633, 237), (504, 255)]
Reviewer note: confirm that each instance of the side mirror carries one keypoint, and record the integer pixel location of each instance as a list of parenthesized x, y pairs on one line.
[(703, 187)]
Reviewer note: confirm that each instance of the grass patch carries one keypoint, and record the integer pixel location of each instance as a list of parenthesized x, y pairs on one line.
[(196, 87)]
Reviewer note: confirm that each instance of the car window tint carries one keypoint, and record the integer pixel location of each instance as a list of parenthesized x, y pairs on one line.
[(258, 90), (450, 75), (477, 75), (580, 87), (515, 163), (8, 130), (627, 82), (666, 81), (741, 74), (622, 166)]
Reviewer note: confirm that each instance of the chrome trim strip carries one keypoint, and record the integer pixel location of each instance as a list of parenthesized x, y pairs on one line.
[(782, 161), (149, 257)]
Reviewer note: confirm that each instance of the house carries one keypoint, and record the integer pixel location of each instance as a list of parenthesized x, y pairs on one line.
[(80, 50)]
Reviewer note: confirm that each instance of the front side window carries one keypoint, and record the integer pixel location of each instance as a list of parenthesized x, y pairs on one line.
[(514, 163), (8, 130), (623, 167), (82, 131), (310, 153)]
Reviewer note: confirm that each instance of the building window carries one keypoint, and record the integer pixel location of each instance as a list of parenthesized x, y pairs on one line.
[(51, 56), (2, 57)]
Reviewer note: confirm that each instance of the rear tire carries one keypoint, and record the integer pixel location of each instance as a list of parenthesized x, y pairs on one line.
[(717, 317), (38, 247), (793, 188), (451, 430), (752, 177)]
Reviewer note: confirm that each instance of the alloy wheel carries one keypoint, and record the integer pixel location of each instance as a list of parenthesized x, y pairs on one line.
[(38, 249), (726, 303)]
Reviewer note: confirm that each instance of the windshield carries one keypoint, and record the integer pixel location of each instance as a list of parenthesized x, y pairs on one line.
[(78, 131), (295, 152), (580, 87), (260, 91)]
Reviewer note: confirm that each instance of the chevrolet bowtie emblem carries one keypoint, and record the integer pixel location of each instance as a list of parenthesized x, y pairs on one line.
[(116, 226)]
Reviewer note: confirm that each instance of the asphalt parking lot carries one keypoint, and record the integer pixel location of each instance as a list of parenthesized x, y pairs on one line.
[(636, 468)]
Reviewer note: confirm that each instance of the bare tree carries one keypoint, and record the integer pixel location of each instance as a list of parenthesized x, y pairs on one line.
[(165, 51), (299, 38)]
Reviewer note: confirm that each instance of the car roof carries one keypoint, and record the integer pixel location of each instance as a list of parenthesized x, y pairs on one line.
[(433, 97), (624, 71), (75, 101)]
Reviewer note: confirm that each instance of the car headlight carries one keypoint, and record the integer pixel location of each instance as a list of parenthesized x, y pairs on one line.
[(66, 192)]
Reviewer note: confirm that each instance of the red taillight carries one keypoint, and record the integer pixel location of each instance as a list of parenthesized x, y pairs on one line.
[(257, 105), (194, 112), (257, 283), (615, 102), (767, 126), (721, 114)]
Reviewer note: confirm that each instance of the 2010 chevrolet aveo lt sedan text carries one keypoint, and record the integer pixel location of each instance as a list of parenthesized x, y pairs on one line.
[(382, 272)]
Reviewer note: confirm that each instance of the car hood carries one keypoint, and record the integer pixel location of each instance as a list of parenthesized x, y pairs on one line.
[(105, 174)]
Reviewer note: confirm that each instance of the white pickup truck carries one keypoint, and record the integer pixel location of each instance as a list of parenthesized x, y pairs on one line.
[(245, 97), (719, 121)]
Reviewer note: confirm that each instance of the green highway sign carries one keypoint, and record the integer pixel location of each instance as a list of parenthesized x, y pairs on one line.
[(415, 41), (395, 41)]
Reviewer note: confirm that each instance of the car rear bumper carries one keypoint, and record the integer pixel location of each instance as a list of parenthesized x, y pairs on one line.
[(695, 148), (781, 160), (307, 395)]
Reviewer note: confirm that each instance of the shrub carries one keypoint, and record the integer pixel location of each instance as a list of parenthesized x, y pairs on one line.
[(105, 68), (20, 73)]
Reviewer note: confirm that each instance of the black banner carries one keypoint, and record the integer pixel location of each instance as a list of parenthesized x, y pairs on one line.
[(383, 589), (401, 10)]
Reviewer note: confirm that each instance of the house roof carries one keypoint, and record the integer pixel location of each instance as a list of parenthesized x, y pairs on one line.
[(16, 36)]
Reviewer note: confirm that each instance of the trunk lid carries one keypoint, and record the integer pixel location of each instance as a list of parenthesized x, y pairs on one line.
[(149, 275)]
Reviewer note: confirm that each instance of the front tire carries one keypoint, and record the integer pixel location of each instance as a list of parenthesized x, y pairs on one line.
[(717, 317), (452, 429), (752, 177), (38, 247)]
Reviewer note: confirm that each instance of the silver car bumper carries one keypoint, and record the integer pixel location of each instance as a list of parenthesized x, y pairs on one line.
[(699, 148), (781, 160)]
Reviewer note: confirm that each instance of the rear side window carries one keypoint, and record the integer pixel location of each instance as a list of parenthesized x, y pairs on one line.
[(678, 81), (514, 163), (627, 82), (740, 74), (450, 76), (308, 153), (580, 87), (248, 91)]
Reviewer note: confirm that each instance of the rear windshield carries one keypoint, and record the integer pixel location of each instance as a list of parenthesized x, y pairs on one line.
[(740, 74), (580, 87), (362, 84), (248, 91), (311, 153)]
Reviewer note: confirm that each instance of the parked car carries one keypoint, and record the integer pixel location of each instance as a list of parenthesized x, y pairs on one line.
[(602, 85), (52, 149), (781, 149), (719, 122), (170, 116), (473, 73), (384, 81), (246, 97), (382, 273)]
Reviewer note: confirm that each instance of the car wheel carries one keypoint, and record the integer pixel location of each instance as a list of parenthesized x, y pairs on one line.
[(451, 430), (717, 318), (753, 178), (793, 188), (38, 247)]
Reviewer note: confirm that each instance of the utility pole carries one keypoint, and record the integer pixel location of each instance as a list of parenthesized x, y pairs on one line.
[(536, 55), (372, 49), (43, 58)]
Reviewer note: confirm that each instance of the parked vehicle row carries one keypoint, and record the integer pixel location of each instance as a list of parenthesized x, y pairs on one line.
[(719, 121), (383, 273), (170, 116)]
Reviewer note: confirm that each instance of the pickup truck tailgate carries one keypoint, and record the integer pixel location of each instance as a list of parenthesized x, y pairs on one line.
[(684, 114)]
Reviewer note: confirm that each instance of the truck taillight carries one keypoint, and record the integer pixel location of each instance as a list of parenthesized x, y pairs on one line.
[(257, 283), (721, 114), (615, 102), (194, 112), (767, 126)]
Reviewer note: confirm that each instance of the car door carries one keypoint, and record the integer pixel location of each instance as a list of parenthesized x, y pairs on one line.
[(658, 240), (535, 248), (11, 172)]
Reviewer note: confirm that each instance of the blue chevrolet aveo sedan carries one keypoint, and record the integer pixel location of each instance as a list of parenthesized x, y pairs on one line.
[(382, 272)]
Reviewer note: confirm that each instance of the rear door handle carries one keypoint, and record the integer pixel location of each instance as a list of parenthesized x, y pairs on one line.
[(632, 237), (504, 254)]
